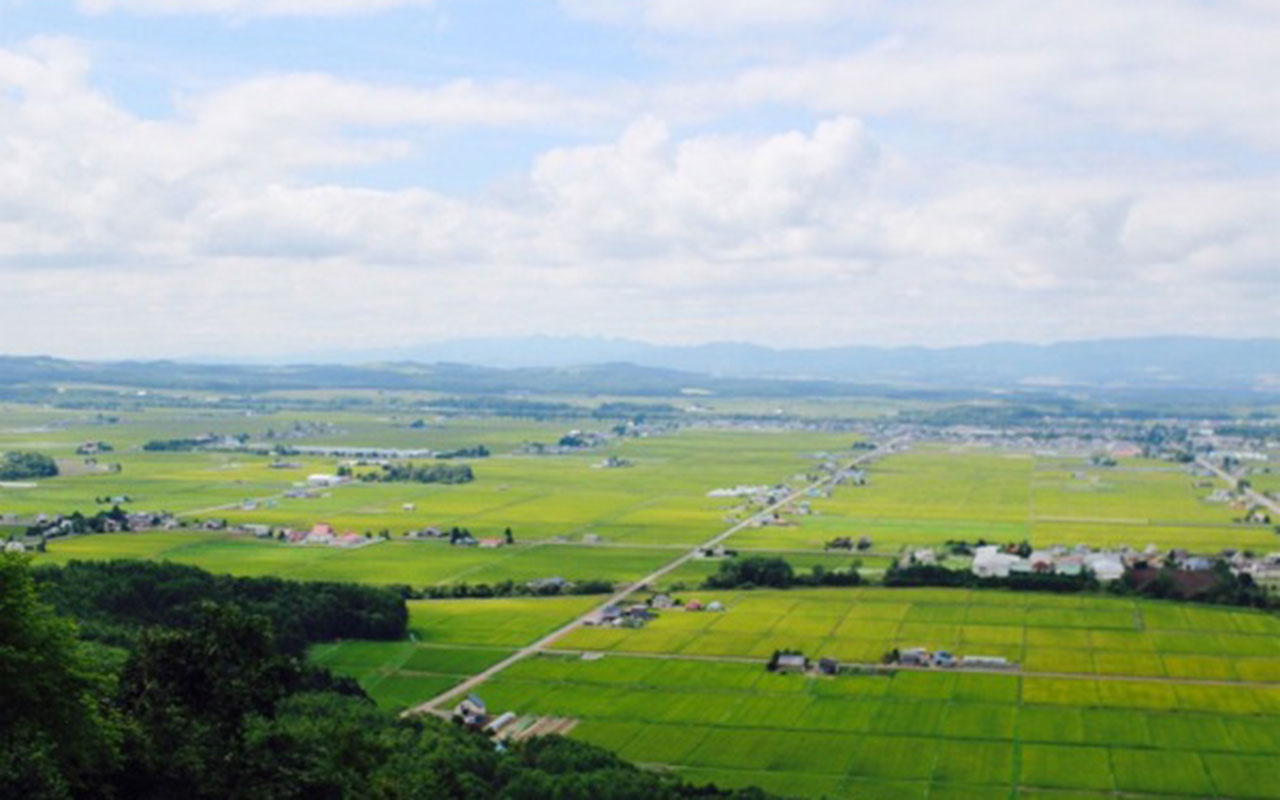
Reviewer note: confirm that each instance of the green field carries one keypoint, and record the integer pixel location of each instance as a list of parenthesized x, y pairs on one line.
[(934, 493), (1114, 697), (912, 734), (659, 500), (449, 640), (1077, 634), (414, 563)]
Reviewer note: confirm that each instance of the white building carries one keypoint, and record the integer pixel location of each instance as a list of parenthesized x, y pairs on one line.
[(1105, 566), (989, 562)]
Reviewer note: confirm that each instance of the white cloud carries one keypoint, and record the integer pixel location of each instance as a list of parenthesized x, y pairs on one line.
[(816, 233), (1004, 67), (245, 9)]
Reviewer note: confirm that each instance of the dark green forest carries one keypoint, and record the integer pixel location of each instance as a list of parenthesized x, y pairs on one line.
[(172, 683)]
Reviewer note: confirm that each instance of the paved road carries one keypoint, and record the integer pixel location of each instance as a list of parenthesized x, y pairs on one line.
[(1255, 496), (433, 705)]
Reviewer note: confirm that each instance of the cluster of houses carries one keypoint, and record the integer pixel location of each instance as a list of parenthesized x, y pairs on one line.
[(637, 615), (613, 615), (322, 533), (921, 657), (793, 662), (992, 561), (53, 525), (458, 537)]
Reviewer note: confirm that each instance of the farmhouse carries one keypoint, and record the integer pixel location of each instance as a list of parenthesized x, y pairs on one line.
[(320, 479), (321, 533), (1105, 566), (914, 656), (989, 562), (472, 710), (791, 662), (543, 584)]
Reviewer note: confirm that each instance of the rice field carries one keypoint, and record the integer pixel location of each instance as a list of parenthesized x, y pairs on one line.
[(659, 500), (448, 641), (934, 493), (909, 735), (1115, 697), (1073, 634)]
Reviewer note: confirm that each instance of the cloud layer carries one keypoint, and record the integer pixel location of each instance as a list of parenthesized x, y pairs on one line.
[(962, 173)]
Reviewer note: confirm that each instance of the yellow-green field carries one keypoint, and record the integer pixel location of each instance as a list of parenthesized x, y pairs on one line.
[(935, 493), (1113, 697)]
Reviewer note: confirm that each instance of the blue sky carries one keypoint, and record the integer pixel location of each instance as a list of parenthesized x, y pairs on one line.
[(253, 177)]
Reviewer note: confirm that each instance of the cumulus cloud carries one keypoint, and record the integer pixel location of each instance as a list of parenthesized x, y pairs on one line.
[(650, 213)]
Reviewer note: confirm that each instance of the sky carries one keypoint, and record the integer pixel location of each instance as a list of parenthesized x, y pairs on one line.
[(248, 178)]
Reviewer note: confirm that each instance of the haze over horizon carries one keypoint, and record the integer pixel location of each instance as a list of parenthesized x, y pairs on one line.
[(254, 178)]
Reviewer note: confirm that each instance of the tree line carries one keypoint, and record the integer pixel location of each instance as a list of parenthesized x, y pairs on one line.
[(1218, 586), (113, 600), (20, 466), (775, 573), (505, 588), (409, 472)]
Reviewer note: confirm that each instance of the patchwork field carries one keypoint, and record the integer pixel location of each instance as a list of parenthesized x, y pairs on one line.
[(449, 640), (1071, 634), (660, 499), (935, 493), (911, 735), (413, 563), (1115, 697)]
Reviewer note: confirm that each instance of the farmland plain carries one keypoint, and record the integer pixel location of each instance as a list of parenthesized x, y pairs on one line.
[(910, 734), (936, 493), (1113, 696)]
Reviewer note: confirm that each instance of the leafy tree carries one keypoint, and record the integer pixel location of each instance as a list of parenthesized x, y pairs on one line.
[(18, 466), (55, 733), (189, 693), (755, 571)]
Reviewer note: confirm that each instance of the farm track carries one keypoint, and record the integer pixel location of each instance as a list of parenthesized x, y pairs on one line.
[(229, 506), (432, 705), (1250, 493)]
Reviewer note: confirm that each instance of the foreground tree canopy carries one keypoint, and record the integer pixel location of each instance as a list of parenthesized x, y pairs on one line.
[(205, 704)]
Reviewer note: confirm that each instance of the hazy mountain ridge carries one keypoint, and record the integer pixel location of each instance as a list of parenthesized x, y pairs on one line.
[(1153, 362), (571, 366)]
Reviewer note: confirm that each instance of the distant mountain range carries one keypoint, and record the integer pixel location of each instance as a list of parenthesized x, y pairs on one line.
[(1157, 362), (603, 366)]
